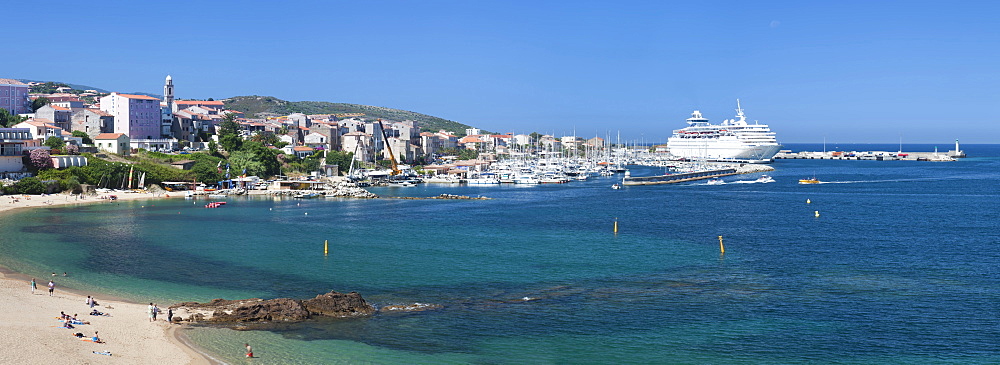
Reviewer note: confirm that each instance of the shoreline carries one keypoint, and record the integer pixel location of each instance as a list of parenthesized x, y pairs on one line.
[(129, 336)]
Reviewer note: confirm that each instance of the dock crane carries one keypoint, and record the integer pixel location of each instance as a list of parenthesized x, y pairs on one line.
[(392, 157)]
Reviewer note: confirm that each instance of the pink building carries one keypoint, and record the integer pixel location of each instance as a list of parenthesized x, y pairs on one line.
[(14, 96), (136, 116)]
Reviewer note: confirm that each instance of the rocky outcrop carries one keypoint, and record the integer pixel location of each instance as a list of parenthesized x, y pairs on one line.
[(332, 304)]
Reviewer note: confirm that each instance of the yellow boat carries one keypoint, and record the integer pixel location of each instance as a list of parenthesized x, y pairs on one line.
[(809, 181)]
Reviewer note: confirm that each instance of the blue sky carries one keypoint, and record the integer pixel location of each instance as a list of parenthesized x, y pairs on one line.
[(847, 71)]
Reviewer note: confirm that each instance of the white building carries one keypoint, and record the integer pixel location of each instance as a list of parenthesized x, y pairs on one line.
[(117, 143)]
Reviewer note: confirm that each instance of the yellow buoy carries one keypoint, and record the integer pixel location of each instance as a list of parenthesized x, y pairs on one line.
[(817, 213), (722, 248), (616, 225), (326, 247), (807, 201)]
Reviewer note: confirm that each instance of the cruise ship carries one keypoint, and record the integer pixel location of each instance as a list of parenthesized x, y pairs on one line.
[(731, 140)]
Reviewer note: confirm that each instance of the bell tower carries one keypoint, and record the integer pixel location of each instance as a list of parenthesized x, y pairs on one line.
[(168, 94)]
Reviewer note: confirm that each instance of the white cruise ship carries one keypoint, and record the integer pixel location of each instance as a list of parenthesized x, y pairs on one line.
[(733, 139)]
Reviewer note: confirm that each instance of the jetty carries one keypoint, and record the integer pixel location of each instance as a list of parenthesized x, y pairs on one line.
[(676, 178), (867, 155), (873, 155)]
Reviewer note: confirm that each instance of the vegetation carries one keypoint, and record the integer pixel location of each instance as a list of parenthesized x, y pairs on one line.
[(7, 120), (86, 139), (254, 106), (55, 143), (341, 159), (461, 153), (48, 87), (38, 103), (28, 185), (229, 134)]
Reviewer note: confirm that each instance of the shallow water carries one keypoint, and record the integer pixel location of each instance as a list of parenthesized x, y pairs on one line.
[(899, 267)]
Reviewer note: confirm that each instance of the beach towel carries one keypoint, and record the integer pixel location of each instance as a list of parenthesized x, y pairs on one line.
[(103, 353)]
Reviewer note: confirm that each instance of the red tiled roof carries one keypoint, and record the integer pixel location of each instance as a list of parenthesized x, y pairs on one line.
[(56, 107), (302, 148), (11, 82), (100, 112), (133, 96), (109, 135)]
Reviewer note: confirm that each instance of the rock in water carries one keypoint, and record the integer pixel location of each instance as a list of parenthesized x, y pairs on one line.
[(334, 304), (281, 309)]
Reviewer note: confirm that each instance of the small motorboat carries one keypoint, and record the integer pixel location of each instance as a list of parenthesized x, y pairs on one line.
[(616, 186), (809, 181), (765, 179), (215, 204), (716, 182)]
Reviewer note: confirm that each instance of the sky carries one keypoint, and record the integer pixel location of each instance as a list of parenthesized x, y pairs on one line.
[(841, 71)]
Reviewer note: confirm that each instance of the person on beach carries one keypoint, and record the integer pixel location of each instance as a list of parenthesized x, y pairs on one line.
[(170, 315), (156, 310), (33, 285), (52, 287), (249, 350), (90, 301), (151, 313)]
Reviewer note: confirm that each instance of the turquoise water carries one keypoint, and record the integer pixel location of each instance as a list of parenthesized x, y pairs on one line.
[(900, 267)]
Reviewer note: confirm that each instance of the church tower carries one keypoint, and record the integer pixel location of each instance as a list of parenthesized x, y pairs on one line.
[(168, 94)]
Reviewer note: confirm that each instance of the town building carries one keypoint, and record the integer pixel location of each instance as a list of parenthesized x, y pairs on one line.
[(12, 143), (60, 116), (136, 116), (14, 96), (40, 129), (92, 122), (117, 143)]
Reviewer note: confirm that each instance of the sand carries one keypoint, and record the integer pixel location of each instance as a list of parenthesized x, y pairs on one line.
[(31, 333)]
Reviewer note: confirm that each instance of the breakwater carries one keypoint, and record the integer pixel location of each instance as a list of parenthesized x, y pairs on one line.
[(676, 178)]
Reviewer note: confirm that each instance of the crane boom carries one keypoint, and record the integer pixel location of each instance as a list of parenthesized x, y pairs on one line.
[(392, 157)]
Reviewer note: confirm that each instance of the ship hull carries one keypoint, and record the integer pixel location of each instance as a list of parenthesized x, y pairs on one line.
[(720, 149)]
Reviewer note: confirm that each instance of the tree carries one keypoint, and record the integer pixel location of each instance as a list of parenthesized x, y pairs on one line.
[(38, 103), (7, 120), (241, 160), (83, 137), (213, 148), (55, 143), (28, 185), (38, 160), (340, 158), (229, 134)]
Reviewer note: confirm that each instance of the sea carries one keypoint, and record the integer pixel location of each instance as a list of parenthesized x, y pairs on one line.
[(883, 262)]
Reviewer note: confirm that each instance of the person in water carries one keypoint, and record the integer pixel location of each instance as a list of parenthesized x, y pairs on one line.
[(249, 350)]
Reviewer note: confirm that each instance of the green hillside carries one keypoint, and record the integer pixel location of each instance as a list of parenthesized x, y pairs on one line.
[(254, 105)]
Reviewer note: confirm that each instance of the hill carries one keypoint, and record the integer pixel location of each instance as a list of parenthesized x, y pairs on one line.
[(254, 105)]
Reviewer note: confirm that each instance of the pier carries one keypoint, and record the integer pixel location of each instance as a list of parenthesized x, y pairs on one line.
[(676, 178), (868, 155), (873, 155)]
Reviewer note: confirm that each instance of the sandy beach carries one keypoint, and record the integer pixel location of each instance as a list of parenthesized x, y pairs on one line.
[(29, 321)]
